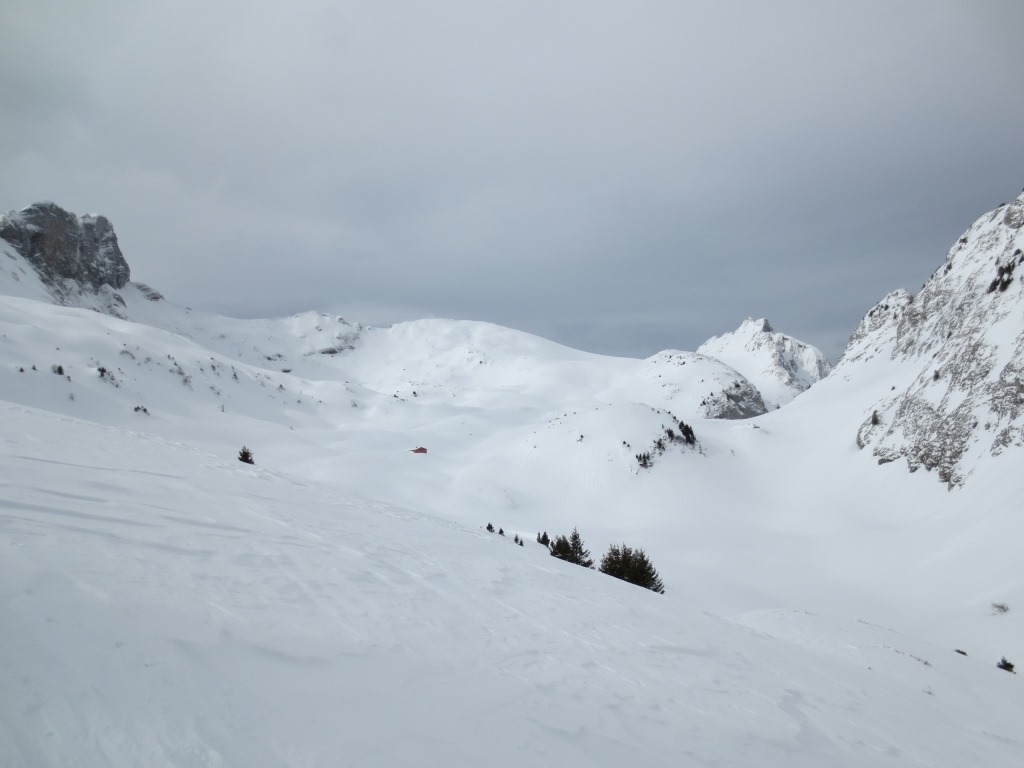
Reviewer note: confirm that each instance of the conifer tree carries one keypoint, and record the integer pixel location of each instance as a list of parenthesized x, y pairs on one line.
[(571, 549), (631, 565), (245, 456)]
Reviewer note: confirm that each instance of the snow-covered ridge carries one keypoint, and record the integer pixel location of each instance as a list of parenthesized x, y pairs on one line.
[(957, 351), (419, 357)]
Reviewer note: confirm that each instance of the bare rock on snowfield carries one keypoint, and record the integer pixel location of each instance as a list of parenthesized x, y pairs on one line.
[(1014, 217)]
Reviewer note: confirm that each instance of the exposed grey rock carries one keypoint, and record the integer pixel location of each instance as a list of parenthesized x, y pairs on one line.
[(876, 332), (151, 294), (1014, 217), (740, 401), (71, 254), (962, 340)]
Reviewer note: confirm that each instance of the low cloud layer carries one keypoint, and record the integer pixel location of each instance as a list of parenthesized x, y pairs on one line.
[(618, 177)]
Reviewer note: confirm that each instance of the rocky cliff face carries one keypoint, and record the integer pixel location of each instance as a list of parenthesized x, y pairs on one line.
[(72, 254), (780, 366), (961, 341)]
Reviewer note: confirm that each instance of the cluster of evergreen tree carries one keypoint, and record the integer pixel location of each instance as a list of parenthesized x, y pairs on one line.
[(501, 532), (631, 565), (571, 549), (622, 562), (686, 432), (684, 435)]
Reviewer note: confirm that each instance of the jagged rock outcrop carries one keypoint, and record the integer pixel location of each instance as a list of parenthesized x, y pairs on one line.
[(876, 333), (962, 340), (72, 254), (741, 401), (780, 366)]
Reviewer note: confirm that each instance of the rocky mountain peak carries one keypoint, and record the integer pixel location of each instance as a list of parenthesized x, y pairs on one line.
[(751, 326), (780, 366), (69, 252), (962, 341)]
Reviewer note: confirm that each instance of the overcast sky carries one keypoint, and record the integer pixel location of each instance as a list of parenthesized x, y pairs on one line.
[(621, 177)]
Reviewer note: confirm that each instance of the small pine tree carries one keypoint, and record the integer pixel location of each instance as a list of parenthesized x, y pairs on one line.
[(521, 543), (501, 531), (1004, 664), (581, 554), (490, 528), (542, 538), (560, 548), (571, 550), (245, 456), (631, 565)]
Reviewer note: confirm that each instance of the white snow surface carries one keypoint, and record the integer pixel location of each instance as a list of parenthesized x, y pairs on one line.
[(340, 603)]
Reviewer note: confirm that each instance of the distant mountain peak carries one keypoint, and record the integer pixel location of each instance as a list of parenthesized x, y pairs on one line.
[(780, 366)]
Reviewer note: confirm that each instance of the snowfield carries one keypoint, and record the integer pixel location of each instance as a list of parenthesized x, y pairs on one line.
[(166, 606), (340, 603)]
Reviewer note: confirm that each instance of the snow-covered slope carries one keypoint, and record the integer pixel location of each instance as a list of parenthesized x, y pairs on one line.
[(780, 366), (164, 606)]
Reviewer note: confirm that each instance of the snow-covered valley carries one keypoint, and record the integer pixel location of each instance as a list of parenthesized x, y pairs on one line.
[(340, 603)]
